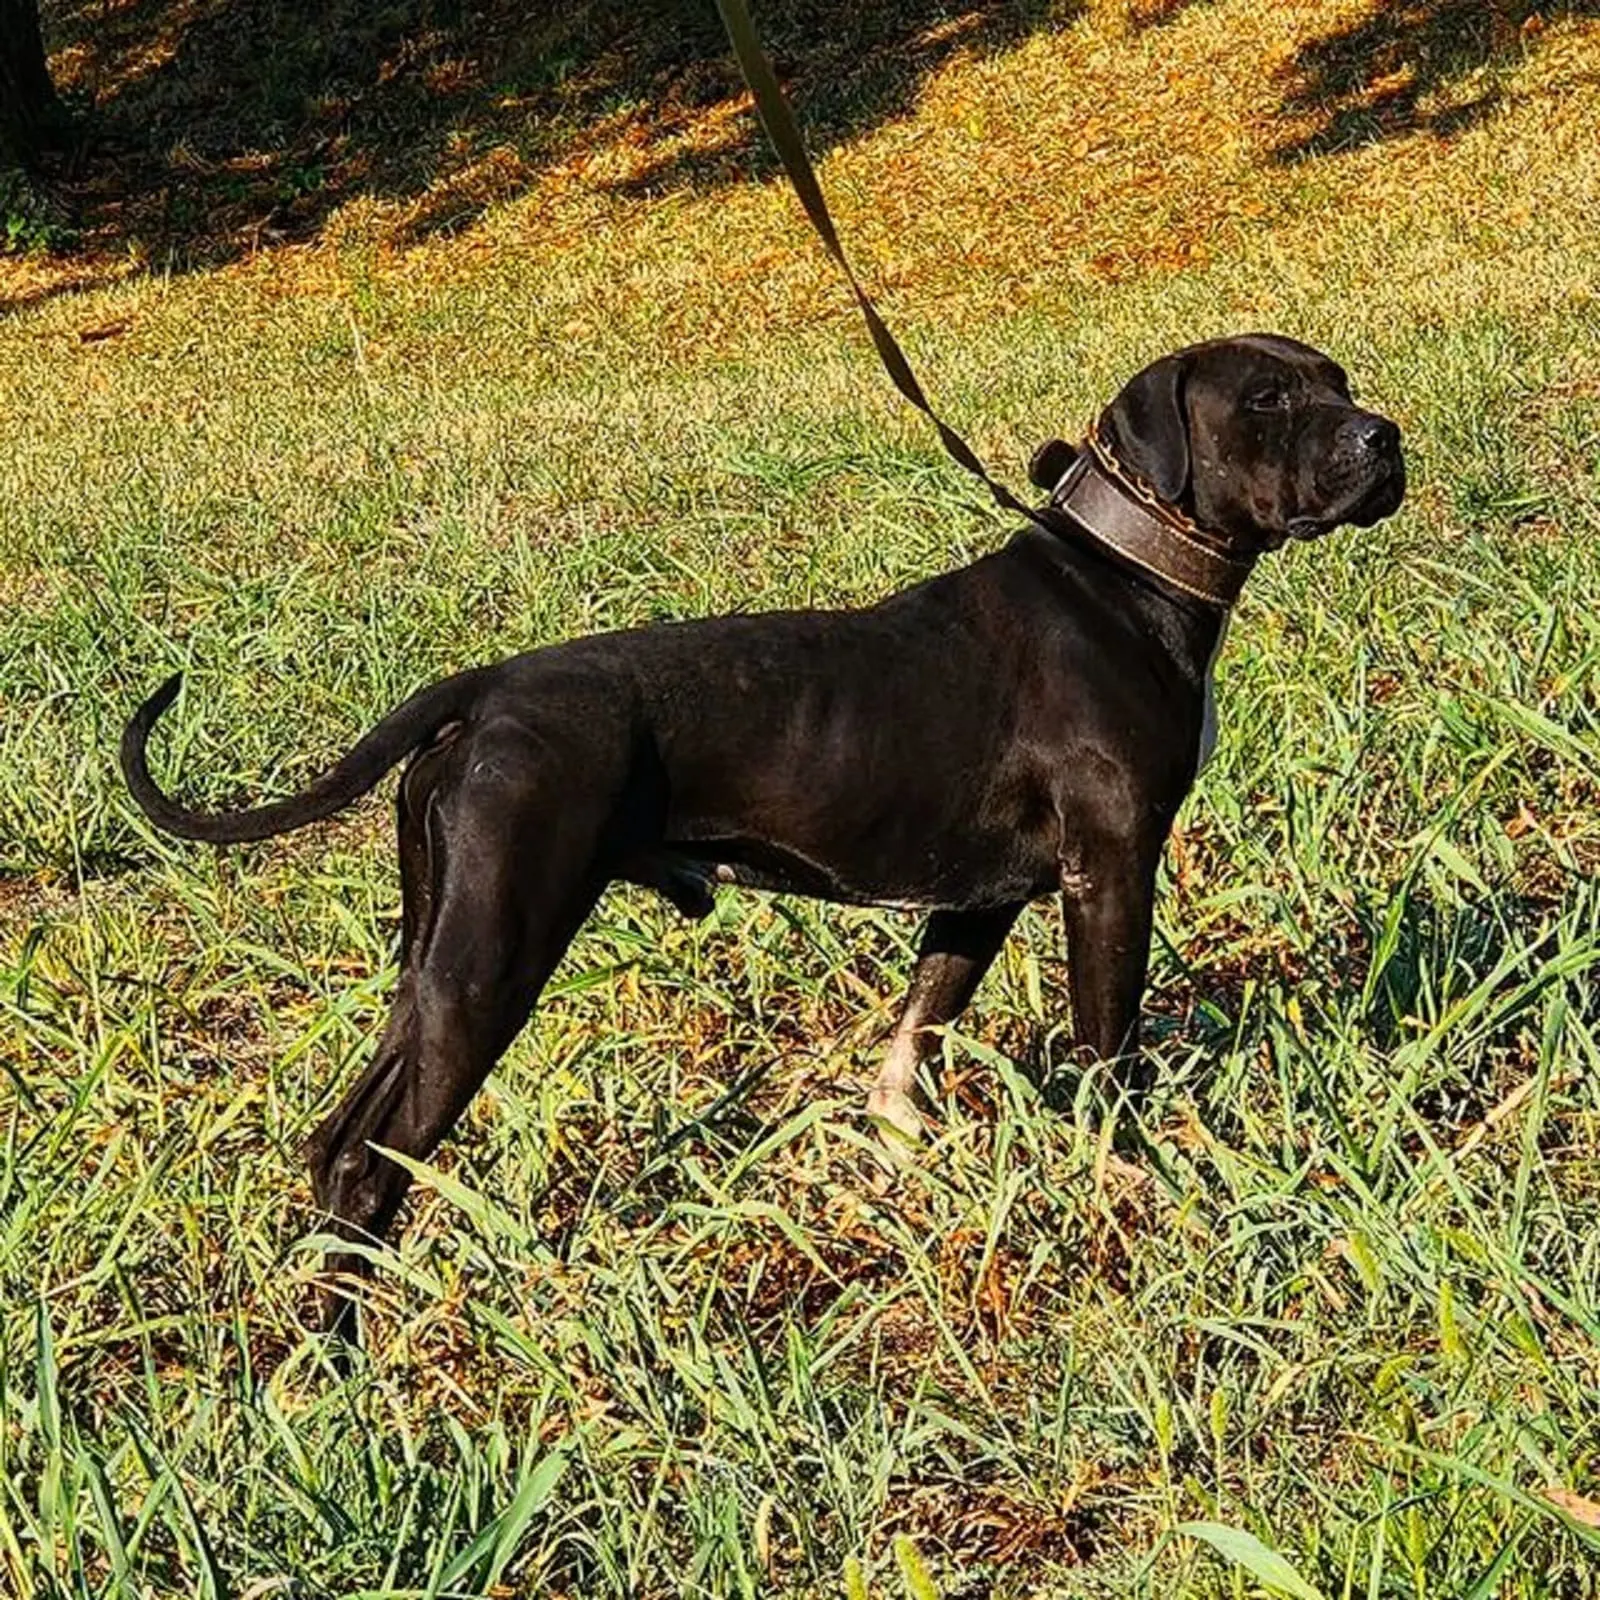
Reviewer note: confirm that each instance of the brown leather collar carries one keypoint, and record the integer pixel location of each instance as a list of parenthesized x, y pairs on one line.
[(1124, 515)]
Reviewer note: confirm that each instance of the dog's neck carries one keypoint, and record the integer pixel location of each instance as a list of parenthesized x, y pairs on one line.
[(1187, 626), (1096, 496)]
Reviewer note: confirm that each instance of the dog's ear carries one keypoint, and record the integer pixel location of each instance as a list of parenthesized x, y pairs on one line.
[(1050, 462), (1151, 427)]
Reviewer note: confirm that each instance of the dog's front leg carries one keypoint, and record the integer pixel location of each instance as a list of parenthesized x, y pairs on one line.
[(957, 948), (1108, 907)]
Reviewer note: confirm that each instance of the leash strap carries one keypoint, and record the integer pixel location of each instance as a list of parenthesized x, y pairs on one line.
[(1093, 494), (778, 120)]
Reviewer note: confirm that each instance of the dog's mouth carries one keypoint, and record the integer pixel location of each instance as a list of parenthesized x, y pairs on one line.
[(1379, 493), (1383, 497)]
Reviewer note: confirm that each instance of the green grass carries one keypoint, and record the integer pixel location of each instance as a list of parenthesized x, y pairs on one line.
[(639, 1336)]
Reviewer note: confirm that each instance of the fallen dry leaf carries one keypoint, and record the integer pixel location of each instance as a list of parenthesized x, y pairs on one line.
[(106, 330), (1577, 1506)]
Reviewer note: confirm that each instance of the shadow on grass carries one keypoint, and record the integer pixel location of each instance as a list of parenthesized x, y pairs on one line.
[(1144, 14), (1389, 972), (1382, 77), (215, 128)]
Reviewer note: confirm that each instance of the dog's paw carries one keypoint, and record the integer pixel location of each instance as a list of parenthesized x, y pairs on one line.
[(900, 1129), (897, 1118)]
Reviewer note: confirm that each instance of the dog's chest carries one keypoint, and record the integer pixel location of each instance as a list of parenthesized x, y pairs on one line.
[(1208, 724)]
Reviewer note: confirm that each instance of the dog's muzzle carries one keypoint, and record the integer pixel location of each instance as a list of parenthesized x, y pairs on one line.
[(1362, 480)]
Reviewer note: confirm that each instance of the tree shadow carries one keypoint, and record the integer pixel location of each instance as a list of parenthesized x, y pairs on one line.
[(215, 127), (846, 68), (1143, 14), (1389, 73)]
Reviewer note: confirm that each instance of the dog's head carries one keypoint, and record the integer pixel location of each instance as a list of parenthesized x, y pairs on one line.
[(1258, 440)]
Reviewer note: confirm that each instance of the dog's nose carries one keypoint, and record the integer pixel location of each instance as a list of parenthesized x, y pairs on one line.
[(1376, 436)]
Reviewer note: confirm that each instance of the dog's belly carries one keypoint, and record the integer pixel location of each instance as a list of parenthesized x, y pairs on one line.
[(1004, 873)]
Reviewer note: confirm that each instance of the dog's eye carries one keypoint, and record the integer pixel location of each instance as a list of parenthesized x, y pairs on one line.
[(1268, 400)]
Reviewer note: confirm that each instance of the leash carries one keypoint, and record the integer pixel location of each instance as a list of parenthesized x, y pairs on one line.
[(784, 134), (1094, 496)]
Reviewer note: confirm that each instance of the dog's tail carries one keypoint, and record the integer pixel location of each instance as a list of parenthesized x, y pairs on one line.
[(402, 731)]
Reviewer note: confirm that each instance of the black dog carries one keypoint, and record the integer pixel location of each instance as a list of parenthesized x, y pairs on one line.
[(1027, 724)]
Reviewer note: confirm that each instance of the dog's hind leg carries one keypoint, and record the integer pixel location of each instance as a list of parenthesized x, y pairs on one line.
[(500, 868), (957, 948), (349, 1183)]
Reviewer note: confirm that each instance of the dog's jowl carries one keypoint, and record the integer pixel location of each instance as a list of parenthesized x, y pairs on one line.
[(1024, 726)]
